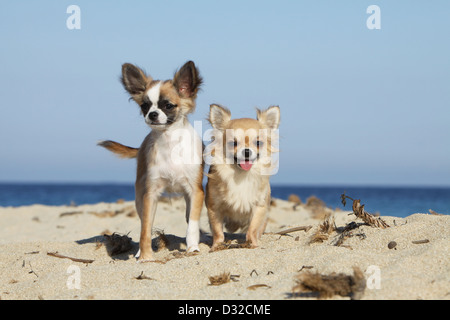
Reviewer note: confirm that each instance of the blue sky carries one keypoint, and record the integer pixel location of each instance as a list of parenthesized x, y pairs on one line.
[(358, 106)]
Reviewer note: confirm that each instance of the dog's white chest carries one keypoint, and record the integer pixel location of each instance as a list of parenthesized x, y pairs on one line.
[(244, 195), (177, 158)]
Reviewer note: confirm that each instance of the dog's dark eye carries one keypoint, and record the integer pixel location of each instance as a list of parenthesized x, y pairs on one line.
[(259, 143), (232, 144), (169, 106)]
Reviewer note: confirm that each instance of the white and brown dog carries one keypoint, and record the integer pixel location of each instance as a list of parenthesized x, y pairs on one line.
[(238, 189), (170, 157)]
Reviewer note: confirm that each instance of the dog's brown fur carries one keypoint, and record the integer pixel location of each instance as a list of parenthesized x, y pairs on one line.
[(235, 198), (182, 92)]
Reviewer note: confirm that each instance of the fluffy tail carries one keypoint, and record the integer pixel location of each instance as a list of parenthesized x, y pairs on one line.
[(119, 149)]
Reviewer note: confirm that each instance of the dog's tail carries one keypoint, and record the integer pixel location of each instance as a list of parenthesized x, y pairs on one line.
[(119, 149)]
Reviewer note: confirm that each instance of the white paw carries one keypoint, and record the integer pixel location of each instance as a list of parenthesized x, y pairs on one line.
[(193, 248)]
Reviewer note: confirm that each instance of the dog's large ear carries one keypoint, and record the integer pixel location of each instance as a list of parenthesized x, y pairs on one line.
[(134, 79), (269, 117), (218, 116), (187, 80)]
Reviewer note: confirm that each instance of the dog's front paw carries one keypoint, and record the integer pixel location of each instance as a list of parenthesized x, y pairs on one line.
[(193, 248), (146, 257)]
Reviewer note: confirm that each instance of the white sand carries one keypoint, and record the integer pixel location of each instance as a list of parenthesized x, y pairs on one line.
[(410, 271)]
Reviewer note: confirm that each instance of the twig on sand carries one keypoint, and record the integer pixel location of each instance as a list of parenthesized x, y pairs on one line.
[(70, 213), (286, 231), (57, 255), (142, 276), (256, 286), (420, 241)]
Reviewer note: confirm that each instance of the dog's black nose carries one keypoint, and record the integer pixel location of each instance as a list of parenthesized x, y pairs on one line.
[(247, 153), (153, 115)]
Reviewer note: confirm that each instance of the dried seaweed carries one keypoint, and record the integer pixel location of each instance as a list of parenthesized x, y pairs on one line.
[(129, 211), (434, 213), (318, 208), (162, 241), (222, 278), (359, 212), (294, 198), (116, 243), (230, 245), (323, 231), (142, 276), (326, 286)]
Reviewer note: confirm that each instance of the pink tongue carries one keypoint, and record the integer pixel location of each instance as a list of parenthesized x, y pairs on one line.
[(246, 165)]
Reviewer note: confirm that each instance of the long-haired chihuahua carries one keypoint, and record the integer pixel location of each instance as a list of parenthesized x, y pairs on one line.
[(238, 189), (170, 157)]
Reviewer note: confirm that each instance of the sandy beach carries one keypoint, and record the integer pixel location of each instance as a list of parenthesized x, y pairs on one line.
[(408, 260)]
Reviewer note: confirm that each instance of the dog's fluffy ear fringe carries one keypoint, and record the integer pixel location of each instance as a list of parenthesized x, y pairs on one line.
[(134, 79), (270, 117), (219, 116), (187, 80)]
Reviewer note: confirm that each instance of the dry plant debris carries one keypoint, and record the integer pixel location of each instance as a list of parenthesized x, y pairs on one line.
[(142, 276), (434, 213), (256, 286), (294, 229), (174, 255), (305, 267), (162, 241), (128, 210), (70, 213), (326, 286), (296, 200), (57, 255), (421, 241), (347, 233), (230, 245), (116, 243), (220, 279), (359, 212), (323, 231), (318, 208)]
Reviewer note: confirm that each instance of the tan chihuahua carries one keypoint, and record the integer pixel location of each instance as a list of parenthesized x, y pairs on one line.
[(165, 106), (238, 189)]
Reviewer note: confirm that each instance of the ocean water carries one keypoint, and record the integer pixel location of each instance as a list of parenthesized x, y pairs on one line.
[(392, 201)]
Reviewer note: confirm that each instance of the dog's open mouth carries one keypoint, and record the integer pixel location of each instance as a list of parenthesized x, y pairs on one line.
[(245, 164)]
